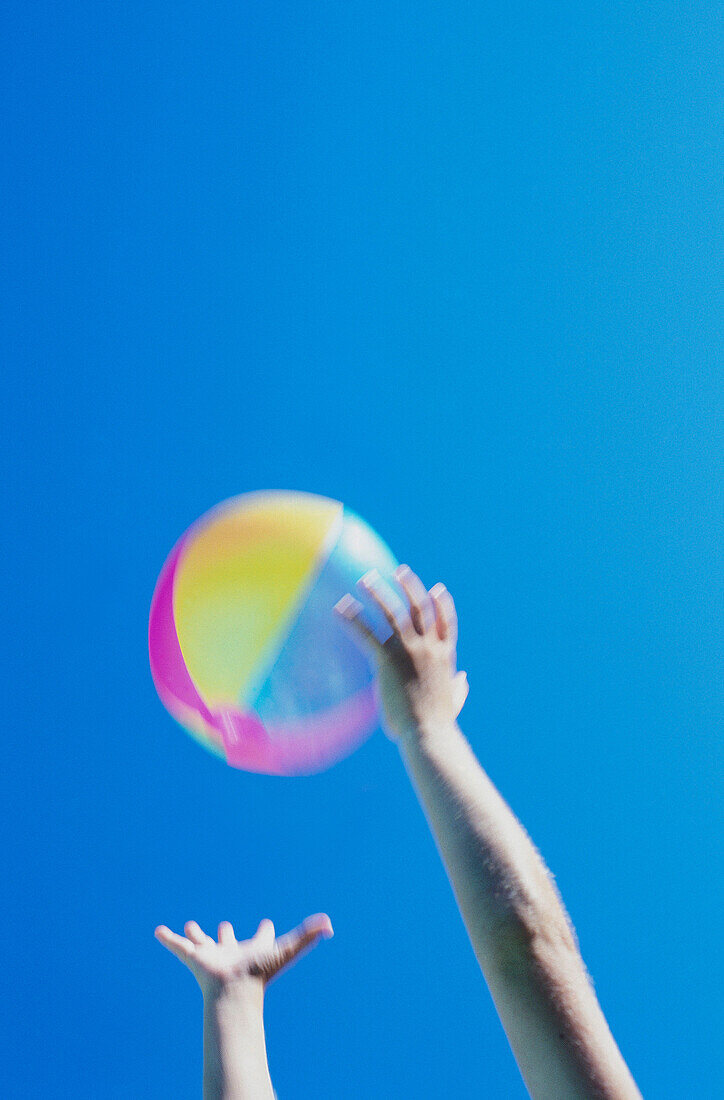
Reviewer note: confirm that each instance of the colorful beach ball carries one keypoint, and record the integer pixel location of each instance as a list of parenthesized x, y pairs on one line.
[(246, 652)]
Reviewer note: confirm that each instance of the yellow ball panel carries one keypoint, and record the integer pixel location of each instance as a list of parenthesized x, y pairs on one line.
[(239, 583)]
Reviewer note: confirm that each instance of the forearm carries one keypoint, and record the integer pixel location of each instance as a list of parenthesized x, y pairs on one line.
[(235, 1063), (499, 880), (517, 925)]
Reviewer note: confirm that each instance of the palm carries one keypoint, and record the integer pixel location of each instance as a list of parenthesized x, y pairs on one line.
[(227, 961)]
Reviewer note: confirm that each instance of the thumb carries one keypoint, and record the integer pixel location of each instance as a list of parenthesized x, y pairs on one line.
[(460, 691), (292, 944)]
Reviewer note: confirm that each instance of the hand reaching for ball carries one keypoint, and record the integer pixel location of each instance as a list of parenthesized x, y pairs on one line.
[(418, 682), (248, 965)]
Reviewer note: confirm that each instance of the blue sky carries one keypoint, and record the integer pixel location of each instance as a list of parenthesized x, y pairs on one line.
[(459, 266)]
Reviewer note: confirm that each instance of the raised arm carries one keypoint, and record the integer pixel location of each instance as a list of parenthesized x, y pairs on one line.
[(233, 975), (518, 927)]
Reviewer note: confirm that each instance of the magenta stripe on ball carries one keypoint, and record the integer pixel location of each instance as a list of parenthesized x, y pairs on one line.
[(168, 669)]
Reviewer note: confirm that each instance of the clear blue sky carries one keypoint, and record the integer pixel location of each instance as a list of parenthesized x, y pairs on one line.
[(459, 266)]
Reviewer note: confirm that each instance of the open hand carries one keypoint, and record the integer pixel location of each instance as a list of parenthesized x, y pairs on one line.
[(219, 966), (418, 682)]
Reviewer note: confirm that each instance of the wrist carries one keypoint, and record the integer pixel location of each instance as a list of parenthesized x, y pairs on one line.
[(243, 1000), (426, 733)]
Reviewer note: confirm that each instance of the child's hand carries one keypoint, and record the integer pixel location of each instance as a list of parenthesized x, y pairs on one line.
[(246, 965), (419, 686)]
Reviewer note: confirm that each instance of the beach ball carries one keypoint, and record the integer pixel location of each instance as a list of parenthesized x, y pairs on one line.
[(246, 652)]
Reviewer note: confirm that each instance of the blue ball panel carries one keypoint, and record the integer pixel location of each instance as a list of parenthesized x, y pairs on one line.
[(320, 664)]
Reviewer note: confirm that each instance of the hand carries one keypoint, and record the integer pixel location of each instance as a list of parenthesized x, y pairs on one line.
[(418, 684), (245, 965)]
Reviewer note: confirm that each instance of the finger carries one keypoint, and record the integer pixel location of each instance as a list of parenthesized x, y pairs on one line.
[(177, 945), (226, 932), (290, 946), (421, 609), (446, 617), (265, 933), (195, 933), (399, 626), (351, 610)]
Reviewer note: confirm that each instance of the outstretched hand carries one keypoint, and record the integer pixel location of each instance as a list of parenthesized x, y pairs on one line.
[(231, 963), (418, 682)]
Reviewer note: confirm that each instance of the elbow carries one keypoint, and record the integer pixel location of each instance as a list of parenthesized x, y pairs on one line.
[(531, 938)]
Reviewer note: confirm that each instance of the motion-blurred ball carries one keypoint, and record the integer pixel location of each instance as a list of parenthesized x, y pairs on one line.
[(246, 652)]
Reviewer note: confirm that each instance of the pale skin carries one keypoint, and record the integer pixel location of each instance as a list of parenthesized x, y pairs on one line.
[(514, 916), (233, 976), (518, 927)]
